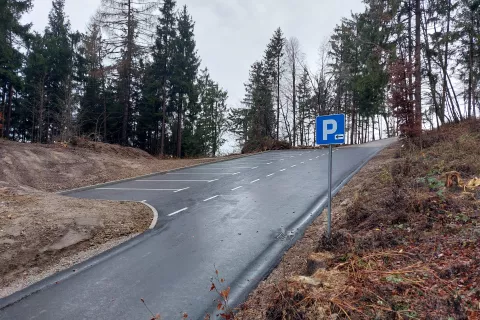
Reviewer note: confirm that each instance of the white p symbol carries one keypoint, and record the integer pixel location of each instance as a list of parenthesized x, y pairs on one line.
[(327, 131)]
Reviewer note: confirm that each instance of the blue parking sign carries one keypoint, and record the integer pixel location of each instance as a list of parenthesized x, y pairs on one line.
[(331, 129)]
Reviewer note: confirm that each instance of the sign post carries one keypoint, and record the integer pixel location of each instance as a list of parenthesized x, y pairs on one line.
[(330, 131)]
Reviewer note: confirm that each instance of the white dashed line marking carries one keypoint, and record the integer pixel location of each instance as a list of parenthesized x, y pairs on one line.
[(293, 166), (255, 168), (271, 174), (283, 169), (181, 189), (237, 188), (255, 181), (269, 163), (282, 159), (212, 180), (234, 174), (174, 213), (310, 159), (211, 198)]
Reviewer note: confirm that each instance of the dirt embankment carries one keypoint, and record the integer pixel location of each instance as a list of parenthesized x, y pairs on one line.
[(59, 167), (403, 247), (42, 232)]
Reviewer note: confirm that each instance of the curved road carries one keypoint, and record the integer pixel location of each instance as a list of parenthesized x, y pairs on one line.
[(238, 215)]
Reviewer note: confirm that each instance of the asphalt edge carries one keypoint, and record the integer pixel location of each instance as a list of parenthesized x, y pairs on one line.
[(271, 257)]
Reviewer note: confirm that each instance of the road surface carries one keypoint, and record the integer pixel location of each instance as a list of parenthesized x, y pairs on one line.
[(238, 216)]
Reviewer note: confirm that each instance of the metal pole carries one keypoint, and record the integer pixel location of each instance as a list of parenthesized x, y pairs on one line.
[(329, 222)]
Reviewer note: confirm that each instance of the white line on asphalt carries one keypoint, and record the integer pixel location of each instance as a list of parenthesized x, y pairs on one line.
[(234, 174), (237, 188), (317, 157), (283, 169), (137, 189), (271, 174), (173, 180), (210, 198), (219, 168), (293, 166), (200, 173), (282, 159), (255, 168), (181, 189), (255, 181), (292, 157), (212, 180), (269, 163), (174, 213)]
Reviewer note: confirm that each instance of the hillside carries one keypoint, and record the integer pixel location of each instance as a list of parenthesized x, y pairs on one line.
[(404, 245), (60, 167)]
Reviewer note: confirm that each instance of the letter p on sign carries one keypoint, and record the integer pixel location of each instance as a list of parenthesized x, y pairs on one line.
[(326, 130), (331, 129)]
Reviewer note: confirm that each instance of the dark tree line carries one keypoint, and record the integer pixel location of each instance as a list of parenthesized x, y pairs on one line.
[(132, 78)]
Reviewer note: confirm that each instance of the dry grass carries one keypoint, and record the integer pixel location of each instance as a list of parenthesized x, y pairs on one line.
[(404, 247)]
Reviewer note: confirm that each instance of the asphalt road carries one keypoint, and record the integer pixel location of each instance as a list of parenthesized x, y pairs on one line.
[(238, 215)]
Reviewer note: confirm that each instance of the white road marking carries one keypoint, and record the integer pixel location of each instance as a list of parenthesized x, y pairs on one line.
[(181, 189), (234, 174), (200, 173), (255, 181), (174, 213), (302, 162), (219, 168), (137, 189), (292, 157), (212, 180), (271, 174), (310, 159), (282, 159), (283, 169), (317, 157), (211, 198), (269, 163), (237, 188), (293, 166), (255, 168), (174, 180)]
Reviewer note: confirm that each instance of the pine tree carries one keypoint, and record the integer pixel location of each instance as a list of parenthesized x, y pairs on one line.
[(59, 59), (163, 51), (13, 34), (274, 57), (185, 67), (127, 23)]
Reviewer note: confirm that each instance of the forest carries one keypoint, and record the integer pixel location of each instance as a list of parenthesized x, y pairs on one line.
[(133, 77)]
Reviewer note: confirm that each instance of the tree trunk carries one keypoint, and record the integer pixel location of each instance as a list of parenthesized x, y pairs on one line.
[(8, 119), (470, 69), (294, 101), (278, 97), (179, 128), (418, 74), (445, 59), (164, 107), (431, 77)]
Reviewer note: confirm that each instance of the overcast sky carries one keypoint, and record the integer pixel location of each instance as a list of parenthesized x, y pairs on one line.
[(232, 34)]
